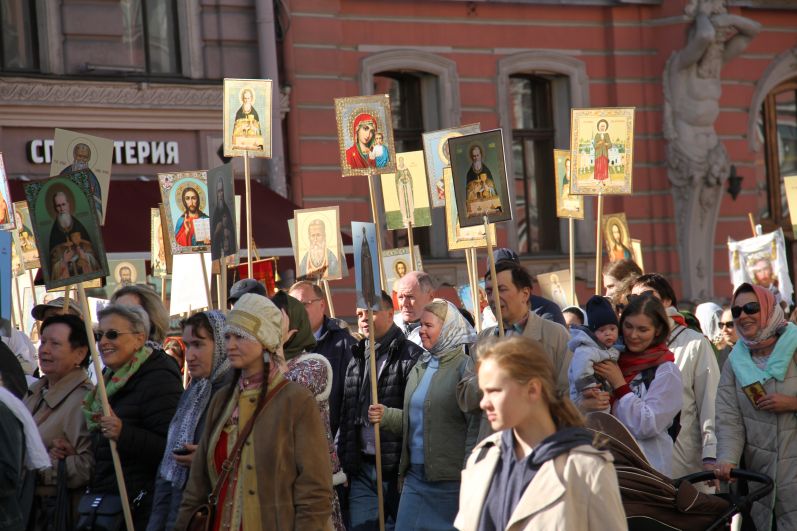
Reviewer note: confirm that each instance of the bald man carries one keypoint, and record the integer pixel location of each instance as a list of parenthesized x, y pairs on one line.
[(414, 291)]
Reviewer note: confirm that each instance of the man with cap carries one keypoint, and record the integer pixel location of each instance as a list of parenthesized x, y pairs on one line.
[(40, 312), (545, 308), (514, 288), (395, 358), (333, 341), (413, 291), (246, 285)]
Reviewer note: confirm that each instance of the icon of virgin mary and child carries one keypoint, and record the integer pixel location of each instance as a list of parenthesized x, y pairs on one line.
[(368, 150)]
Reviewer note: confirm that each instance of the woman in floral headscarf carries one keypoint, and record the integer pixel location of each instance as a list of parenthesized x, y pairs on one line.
[(437, 435), (207, 364), (757, 402)]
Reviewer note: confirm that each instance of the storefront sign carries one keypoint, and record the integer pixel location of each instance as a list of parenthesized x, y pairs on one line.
[(124, 152)]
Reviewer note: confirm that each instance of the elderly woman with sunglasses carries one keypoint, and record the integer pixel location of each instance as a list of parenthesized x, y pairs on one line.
[(143, 387), (757, 402)]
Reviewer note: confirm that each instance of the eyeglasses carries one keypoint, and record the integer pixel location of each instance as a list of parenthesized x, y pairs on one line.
[(751, 308), (728, 325), (311, 301), (111, 335)]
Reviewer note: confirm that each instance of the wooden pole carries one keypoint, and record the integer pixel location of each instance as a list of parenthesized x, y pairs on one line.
[(493, 278), (19, 302), (377, 438), (752, 223), (570, 224), (375, 215), (474, 288), (32, 287), (106, 408), (223, 282), (598, 250), (206, 281), (163, 289), (247, 182), (65, 309), (411, 245), (328, 293)]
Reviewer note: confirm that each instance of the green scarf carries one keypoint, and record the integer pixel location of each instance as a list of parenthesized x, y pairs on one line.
[(92, 405), (303, 340)]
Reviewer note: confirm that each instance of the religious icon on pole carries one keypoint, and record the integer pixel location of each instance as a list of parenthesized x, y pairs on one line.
[(790, 183), (618, 241), (23, 233), (247, 117), (396, 264), (435, 148), (125, 273), (555, 286), (221, 201), (317, 249), (636, 248), (160, 253), (461, 237), (567, 205), (404, 193), (366, 265), (74, 151), (761, 260), (365, 135), (185, 200), (67, 230), (7, 221), (479, 175), (6, 249), (601, 150)]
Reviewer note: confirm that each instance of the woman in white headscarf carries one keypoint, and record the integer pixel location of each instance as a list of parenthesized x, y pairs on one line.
[(709, 315), (437, 435)]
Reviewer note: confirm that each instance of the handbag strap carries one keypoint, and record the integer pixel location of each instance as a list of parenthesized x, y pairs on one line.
[(235, 453)]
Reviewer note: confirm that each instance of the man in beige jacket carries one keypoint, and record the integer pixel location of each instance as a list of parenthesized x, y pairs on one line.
[(514, 290)]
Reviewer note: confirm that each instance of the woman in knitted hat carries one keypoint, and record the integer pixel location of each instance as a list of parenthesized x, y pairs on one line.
[(209, 368), (314, 372), (437, 435), (278, 476)]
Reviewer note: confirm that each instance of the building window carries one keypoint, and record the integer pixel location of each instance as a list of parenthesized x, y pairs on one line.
[(780, 140), (533, 136), (150, 35), (406, 105), (19, 41)]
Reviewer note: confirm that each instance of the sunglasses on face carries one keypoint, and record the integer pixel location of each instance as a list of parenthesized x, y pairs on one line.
[(751, 308), (728, 325), (111, 335)]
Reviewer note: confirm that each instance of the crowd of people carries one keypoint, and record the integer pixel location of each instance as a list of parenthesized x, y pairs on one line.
[(264, 412)]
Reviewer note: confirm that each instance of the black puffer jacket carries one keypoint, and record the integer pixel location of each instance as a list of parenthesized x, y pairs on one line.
[(401, 357), (146, 405), (335, 344)]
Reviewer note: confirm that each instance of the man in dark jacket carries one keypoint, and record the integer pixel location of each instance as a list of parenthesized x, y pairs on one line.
[(333, 341), (395, 357)]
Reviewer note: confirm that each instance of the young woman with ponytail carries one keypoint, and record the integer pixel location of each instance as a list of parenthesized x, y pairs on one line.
[(539, 470), (648, 393)]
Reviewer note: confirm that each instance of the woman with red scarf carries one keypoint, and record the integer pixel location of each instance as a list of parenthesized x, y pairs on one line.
[(648, 392)]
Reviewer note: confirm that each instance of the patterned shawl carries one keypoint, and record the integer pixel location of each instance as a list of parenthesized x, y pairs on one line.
[(456, 330), (193, 404)]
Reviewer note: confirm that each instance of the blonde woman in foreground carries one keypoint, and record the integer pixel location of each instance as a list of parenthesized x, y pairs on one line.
[(539, 470)]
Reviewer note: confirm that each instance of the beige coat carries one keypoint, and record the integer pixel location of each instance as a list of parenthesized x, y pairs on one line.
[(58, 415), (575, 491)]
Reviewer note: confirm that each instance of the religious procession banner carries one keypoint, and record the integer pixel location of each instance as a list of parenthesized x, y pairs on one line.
[(6, 246), (396, 264), (435, 150), (616, 236), (567, 205), (761, 260), (67, 230), (405, 194), (160, 253), (461, 237), (23, 233), (221, 202), (555, 286), (7, 221), (366, 265), (125, 273), (601, 150), (247, 117), (318, 252), (344, 266), (479, 175), (188, 293), (185, 202), (74, 151), (365, 135)]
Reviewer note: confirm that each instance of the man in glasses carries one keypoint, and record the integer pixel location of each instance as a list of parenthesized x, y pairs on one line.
[(333, 341), (728, 336), (696, 443)]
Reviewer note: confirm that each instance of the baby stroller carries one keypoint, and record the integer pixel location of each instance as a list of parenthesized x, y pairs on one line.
[(654, 502)]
